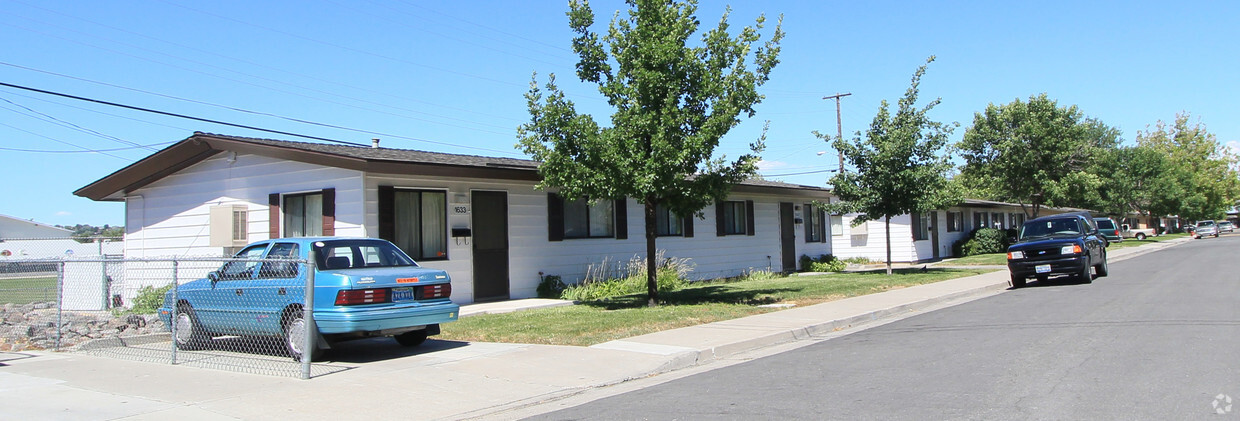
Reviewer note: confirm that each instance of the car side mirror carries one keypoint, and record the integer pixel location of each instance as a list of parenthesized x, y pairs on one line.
[(213, 277)]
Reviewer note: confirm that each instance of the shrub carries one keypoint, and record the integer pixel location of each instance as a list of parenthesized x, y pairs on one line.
[(551, 286), (983, 241), (607, 280), (824, 263), (758, 275), (149, 299)]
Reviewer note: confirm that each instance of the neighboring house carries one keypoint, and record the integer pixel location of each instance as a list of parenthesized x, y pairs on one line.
[(479, 218), (932, 234), (23, 239)]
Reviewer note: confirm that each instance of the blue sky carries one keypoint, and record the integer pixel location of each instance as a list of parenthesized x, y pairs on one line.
[(448, 76)]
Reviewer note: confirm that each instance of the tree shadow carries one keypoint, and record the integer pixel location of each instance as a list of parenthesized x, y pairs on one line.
[(713, 294)]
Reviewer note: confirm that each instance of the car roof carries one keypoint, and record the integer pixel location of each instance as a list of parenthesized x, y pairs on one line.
[(1078, 214)]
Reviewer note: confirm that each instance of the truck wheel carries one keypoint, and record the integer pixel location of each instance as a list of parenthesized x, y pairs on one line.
[(1141, 236), (1018, 281), (1086, 276), (1101, 268)]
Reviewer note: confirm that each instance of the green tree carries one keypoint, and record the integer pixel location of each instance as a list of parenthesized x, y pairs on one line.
[(673, 102), (900, 167), (1138, 179), (1035, 153), (1206, 168)]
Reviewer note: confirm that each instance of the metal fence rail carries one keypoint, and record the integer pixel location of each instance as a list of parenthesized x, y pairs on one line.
[(129, 309)]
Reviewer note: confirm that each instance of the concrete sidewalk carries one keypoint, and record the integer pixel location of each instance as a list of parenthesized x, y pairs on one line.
[(441, 379)]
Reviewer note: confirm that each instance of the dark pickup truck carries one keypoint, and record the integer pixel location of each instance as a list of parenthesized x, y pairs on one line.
[(1066, 243)]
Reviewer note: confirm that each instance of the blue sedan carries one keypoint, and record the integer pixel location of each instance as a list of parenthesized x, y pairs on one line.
[(363, 287)]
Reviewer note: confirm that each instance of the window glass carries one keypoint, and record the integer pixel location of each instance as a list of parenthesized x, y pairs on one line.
[(346, 254), (276, 269), (667, 223), (303, 215), (583, 220), (920, 226), (421, 223), (243, 267), (837, 225), (813, 224), (733, 217)]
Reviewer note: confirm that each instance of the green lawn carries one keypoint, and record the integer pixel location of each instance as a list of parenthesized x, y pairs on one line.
[(27, 290), (703, 302), (992, 259)]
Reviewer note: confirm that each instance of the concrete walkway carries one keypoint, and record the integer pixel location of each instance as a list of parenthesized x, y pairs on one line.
[(441, 379)]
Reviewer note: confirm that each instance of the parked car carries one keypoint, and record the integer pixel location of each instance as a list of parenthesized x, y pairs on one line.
[(363, 287), (1226, 226), (1206, 228), (1058, 244), (1127, 231), (1108, 229)]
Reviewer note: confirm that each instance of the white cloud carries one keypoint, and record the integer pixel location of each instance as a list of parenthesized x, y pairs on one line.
[(765, 165)]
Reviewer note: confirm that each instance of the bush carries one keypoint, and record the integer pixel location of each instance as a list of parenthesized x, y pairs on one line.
[(605, 281), (824, 263), (551, 286), (983, 241), (149, 299)]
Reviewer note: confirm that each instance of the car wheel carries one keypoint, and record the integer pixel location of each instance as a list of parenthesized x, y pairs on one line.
[(1018, 281), (190, 335), (295, 336), (412, 338), (1101, 268), (1140, 236), (1086, 276)]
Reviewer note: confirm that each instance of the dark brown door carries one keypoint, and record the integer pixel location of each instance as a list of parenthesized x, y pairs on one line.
[(934, 233), (490, 236), (787, 237)]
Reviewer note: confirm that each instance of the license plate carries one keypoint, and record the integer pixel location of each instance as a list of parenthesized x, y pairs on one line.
[(402, 294), (1042, 269)]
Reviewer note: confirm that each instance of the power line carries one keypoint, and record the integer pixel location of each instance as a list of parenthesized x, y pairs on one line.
[(801, 173), (63, 123), (205, 120), (85, 151)]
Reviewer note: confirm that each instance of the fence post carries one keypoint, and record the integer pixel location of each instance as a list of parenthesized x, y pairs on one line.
[(307, 349), (60, 301), (103, 275), (172, 319)]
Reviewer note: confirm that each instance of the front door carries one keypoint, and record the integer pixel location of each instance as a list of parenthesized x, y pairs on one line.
[(934, 233), (787, 237), (490, 235)]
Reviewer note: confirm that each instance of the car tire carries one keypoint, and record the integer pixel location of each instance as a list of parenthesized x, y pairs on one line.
[(1086, 276), (294, 327), (1140, 236), (411, 338), (1018, 281), (1101, 269), (190, 335)]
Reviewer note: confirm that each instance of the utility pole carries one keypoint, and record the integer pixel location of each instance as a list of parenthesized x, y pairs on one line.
[(839, 125)]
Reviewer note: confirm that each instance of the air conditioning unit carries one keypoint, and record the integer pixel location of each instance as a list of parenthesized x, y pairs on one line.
[(230, 226)]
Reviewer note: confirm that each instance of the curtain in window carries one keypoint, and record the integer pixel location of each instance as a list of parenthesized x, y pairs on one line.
[(602, 219), (314, 215), (408, 212), (434, 224), (576, 219)]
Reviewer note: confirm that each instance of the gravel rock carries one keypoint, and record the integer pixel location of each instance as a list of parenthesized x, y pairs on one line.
[(34, 326)]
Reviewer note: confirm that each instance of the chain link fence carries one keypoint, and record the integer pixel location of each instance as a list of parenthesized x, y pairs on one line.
[(242, 315)]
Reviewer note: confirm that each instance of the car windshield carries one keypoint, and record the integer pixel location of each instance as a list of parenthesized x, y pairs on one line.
[(1205, 224), (351, 254), (1049, 228)]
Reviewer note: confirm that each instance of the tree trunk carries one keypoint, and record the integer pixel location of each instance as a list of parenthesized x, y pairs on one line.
[(652, 267), (887, 229)]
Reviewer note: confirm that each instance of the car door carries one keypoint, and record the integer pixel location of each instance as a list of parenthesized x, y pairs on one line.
[(277, 284), (217, 306)]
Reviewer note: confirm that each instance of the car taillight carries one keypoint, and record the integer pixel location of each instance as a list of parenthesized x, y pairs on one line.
[(1117, 233), (436, 291), (351, 297)]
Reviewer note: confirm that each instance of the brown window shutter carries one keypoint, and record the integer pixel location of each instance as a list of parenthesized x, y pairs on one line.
[(555, 217), (273, 215), (719, 224), (687, 226), (387, 213), (329, 212), (749, 217), (622, 219)]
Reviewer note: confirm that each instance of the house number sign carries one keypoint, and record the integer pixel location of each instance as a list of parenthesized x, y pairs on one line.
[(460, 209)]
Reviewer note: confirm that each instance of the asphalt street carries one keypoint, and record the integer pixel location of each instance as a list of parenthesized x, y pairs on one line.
[(1158, 339)]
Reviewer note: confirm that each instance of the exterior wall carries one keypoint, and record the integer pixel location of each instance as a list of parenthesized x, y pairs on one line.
[(170, 217), (531, 253)]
